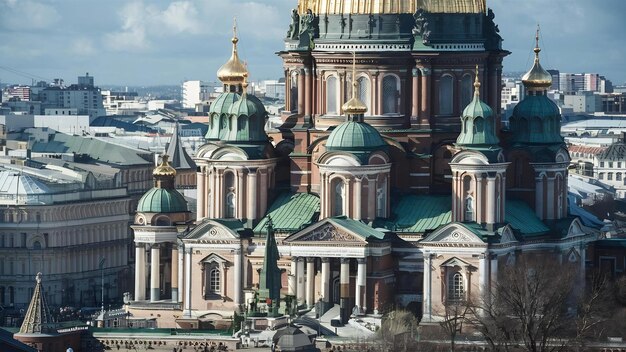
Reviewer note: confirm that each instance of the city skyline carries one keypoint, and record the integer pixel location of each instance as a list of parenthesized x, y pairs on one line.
[(166, 42)]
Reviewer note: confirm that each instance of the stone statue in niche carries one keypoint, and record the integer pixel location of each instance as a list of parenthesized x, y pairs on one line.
[(426, 33), (371, 25), (294, 27), (307, 22)]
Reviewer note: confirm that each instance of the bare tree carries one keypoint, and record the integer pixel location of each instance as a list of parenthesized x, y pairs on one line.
[(454, 314), (535, 304), (399, 329)]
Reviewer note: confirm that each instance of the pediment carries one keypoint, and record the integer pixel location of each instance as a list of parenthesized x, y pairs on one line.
[(210, 230), (325, 231), (575, 229), (453, 234), (455, 262), (213, 258)]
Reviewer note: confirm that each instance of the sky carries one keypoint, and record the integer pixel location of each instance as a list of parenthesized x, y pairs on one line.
[(154, 42)]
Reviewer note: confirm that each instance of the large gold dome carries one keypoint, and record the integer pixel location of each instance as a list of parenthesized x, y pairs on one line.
[(366, 7)]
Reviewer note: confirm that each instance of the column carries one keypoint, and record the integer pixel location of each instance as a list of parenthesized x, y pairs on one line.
[(263, 192), (379, 96), (238, 292), (550, 199), (181, 281), (308, 98), (361, 278), (491, 201), (371, 198), (301, 92), (310, 282), (375, 100), (174, 272), (357, 199), (292, 278), (539, 197), (322, 195), (326, 280), (155, 264), (187, 312), (425, 104), (483, 275), (344, 290), (427, 294), (478, 199), (219, 195), (301, 282), (241, 202), (288, 106), (201, 212), (415, 97), (140, 276), (252, 196)]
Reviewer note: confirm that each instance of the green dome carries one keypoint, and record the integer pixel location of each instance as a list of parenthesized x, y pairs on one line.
[(160, 200), (250, 115), (219, 113), (355, 137), (536, 119), (478, 126)]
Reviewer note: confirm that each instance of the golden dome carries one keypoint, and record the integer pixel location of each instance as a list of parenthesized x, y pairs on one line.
[(367, 7), (537, 77), (164, 169), (354, 106), (233, 71)]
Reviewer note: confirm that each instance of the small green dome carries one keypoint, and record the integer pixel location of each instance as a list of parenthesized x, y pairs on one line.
[(536, 119), (248, 105), (355, 137), (219, 113), (478, 125), (249, 114), (161, 200)]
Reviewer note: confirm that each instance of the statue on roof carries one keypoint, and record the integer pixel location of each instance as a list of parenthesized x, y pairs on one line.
[(294, 27)]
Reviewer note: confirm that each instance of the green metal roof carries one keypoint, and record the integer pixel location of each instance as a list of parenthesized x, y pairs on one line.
[(96, 149), (420, 213), (161, 200), (290, 212), (536, 119), (523, 219), (357, 227)]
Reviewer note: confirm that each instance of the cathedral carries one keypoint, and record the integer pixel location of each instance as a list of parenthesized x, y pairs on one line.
[(390, 184)]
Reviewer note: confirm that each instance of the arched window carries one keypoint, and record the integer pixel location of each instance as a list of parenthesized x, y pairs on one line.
[(381, 199), (294, 91), (332, 96), (230, 199), (214, 280), (456, 287), (363, 92), (391, 93), (618, 176), (36, 245), (467, 90), (338, 209), (446, 95)]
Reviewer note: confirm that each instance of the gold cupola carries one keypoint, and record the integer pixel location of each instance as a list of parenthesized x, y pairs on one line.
[(537, 78), (354, 106), (164, 169), (234, 71), (387, 7)]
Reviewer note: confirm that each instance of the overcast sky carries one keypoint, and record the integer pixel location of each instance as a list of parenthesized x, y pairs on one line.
[(149, 42)]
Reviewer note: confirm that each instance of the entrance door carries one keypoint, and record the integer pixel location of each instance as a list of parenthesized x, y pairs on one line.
[(336, 292)]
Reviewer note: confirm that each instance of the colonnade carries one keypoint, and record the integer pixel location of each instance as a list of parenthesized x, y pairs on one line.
[(155, 272), (302, 283)]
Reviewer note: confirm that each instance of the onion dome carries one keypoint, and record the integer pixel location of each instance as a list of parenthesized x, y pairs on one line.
[(234, 71), (163, 197), (478, 123), (165, 169), (537, 78), (536, 119)]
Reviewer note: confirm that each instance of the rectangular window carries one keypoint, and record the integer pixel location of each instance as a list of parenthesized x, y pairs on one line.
[(610, 164), (602, 164)]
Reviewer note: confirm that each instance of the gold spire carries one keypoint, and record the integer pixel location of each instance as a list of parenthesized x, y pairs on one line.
[(477, 84), (233, 71), (354, 106), (537, 78), (164, 169)]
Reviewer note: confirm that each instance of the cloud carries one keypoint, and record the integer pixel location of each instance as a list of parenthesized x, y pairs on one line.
[(143, 23), (83, 47), (27, 15)]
